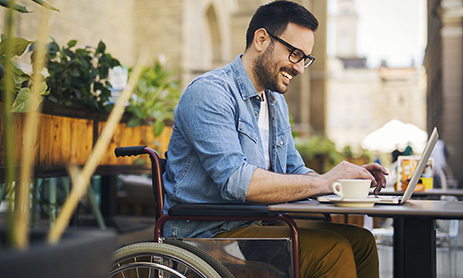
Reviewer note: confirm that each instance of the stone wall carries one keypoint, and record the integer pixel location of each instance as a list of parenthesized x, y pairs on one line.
[(191, 37), (87, 21)]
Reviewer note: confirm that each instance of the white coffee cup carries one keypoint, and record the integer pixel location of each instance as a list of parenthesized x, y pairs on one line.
[(352, 188)]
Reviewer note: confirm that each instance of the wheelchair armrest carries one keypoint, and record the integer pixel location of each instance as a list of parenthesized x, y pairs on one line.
[(219, 209)]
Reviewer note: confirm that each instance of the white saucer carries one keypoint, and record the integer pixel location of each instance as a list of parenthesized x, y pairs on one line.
[(340, 202)]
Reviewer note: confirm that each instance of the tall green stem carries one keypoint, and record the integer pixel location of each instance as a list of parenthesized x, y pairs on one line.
[(8, 119)]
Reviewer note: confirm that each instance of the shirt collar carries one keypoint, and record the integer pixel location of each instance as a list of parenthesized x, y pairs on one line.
[(245, 84)]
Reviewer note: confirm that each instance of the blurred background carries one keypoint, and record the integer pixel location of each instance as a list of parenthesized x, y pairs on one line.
[(377, 61)]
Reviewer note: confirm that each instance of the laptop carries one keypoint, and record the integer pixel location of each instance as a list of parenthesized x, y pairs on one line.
[(394, 199)]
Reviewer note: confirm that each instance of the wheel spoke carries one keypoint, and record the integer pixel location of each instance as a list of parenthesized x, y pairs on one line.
[(156, 260)]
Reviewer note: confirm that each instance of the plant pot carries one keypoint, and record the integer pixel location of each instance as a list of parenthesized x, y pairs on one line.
[(80, 253), (66, 135)]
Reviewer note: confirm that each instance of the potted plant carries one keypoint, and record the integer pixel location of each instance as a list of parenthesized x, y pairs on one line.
[(25, 253), (154, 98), (22, 82), (79, 76), (79, 88), (318, 152)]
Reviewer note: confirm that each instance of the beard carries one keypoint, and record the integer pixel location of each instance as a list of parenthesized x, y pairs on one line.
[(266, 73)]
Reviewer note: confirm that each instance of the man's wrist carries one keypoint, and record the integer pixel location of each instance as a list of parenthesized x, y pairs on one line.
[(322, 182)]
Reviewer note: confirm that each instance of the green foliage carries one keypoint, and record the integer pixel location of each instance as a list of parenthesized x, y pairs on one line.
[(24, 100), (155, 97), (320, 154), (79, 77), (23, 9), (347, 151), (318, 148)]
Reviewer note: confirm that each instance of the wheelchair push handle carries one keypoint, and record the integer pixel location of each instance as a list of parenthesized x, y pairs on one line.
[(129, 151)]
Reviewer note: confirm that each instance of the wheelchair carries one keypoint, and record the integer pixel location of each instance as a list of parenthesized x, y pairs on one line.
[(172, 257)]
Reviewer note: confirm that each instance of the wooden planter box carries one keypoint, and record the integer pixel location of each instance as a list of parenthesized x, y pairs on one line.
[(66, 136)]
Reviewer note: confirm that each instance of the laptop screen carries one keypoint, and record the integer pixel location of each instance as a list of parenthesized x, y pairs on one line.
[(421, 165)]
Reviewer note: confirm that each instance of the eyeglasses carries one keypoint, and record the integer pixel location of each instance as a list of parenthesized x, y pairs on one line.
[(295, 55)]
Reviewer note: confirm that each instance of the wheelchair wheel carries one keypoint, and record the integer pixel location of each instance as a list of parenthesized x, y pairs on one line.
[(220, 268), (151, 259)]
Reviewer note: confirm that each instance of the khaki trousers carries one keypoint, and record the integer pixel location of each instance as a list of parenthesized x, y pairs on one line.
[(325, 249)]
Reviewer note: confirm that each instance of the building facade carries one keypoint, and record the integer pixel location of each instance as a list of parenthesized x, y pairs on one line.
[(361, 99), (444, 65), (190, 36)]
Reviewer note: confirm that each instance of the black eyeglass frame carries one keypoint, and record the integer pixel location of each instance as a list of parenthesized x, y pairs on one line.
[(291, 49)]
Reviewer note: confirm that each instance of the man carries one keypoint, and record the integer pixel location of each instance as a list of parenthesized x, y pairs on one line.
[(231, 142)]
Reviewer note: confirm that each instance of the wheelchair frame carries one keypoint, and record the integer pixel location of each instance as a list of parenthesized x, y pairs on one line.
[(208, 211)]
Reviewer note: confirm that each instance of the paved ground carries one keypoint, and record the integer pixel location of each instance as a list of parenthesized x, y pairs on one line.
[(139, 228)]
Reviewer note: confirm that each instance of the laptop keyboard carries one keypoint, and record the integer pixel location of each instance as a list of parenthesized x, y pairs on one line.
[(387, 197)]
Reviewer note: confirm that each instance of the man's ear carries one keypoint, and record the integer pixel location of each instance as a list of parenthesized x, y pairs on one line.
[(261, 39)]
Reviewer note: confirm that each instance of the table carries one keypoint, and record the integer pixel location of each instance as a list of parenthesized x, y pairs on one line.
[(414, 229), (427, 193)]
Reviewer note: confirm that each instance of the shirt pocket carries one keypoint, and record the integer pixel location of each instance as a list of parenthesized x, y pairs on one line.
[(248, 131), (282, 149)]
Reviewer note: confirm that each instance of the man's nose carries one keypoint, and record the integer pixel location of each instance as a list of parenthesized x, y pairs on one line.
[(299, 67)]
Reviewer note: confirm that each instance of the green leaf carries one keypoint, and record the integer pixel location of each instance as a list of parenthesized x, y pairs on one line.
[(43, 88), (114, 63), (19, 46), (17, 74), (46, 5), (133, 122), (97, 86), (25, 101), (101, 48), (104, 71), (71, 43), (158, 127), (83, 54), (53, 49), (19, 80), (16, 7)]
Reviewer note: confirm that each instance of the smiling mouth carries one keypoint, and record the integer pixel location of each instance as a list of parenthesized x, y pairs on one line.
[(287, 75)]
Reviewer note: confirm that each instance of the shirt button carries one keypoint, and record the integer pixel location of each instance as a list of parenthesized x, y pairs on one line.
[(281, 143), (256, 114)]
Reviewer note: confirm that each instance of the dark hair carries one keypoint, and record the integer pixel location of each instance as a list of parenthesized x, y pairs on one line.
[(275, 16)]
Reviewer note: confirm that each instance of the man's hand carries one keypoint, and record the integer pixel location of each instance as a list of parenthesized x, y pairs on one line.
[(379, 173), (345, 170)]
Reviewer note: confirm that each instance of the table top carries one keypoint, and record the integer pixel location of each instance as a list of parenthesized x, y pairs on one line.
[(422, 208), (428, 192)]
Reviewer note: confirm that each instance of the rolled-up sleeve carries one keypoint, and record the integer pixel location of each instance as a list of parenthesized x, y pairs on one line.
[(238, 183)]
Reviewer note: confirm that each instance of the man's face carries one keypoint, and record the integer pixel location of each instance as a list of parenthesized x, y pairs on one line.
[(272, 67)]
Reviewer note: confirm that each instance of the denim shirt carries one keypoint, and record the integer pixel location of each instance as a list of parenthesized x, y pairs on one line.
[(215, 146)]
